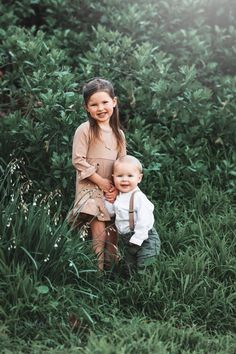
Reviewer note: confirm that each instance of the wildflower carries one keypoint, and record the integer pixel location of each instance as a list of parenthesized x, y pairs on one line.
[(9, 222), (47, 258)]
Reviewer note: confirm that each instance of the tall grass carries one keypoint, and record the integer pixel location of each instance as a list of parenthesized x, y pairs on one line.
[(140, 335), (54, 300), (43, 265)]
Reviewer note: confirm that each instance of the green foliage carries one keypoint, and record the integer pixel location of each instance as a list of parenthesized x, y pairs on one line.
[(39, 107), (173, 68), (43, 266), (188, 105)]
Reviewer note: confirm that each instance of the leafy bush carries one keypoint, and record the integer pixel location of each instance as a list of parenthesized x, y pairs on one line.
[(172, 65), (188, 113), (39, 108)]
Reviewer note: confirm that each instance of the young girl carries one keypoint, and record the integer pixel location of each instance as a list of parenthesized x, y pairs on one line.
[(97, 144)]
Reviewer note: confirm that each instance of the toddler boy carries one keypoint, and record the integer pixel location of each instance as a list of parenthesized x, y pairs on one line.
[(134, 218)]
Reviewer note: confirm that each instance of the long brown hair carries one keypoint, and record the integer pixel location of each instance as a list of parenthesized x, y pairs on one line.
[(99, 84)]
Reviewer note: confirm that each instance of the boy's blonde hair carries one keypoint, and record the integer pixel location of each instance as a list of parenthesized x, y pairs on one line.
[(129, 159)]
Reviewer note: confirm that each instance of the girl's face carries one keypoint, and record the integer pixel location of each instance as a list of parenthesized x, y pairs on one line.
[(100, 106)]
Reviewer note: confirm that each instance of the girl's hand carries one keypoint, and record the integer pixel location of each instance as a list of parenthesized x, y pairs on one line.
[(111, 195), (105, 185)]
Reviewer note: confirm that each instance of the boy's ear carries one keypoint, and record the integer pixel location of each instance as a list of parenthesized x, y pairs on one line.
[(140, 177)]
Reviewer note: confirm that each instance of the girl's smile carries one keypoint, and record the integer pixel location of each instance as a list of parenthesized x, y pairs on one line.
[(100, 106)]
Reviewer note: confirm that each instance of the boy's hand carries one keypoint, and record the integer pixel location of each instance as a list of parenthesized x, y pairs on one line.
[(105, 185), (111, 195)]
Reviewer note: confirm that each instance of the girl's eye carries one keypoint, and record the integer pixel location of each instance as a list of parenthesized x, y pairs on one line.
[(130, 175)]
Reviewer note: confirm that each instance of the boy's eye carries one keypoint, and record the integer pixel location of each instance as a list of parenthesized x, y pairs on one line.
[(130, 175)]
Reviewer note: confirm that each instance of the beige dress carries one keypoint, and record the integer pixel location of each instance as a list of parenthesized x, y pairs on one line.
[(89, 157)]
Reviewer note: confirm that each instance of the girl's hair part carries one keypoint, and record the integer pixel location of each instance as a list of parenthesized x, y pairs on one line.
[(99, 84)]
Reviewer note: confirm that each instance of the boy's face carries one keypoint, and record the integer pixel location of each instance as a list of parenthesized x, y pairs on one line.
[(126, 176)]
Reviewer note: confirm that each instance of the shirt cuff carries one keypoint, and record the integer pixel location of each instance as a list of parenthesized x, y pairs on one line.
[(136, 240)]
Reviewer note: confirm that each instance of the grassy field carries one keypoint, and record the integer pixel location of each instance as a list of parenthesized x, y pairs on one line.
[(53, 300)]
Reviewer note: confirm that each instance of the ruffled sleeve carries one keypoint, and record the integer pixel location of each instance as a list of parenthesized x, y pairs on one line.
[(79, 152)]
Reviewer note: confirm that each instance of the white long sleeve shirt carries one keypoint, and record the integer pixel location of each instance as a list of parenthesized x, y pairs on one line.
[(143, 215)]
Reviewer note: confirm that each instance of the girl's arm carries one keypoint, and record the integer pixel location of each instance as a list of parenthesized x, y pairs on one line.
[(79, 152)]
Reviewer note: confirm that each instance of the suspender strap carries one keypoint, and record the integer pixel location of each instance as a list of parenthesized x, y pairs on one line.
[(131, 211)]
